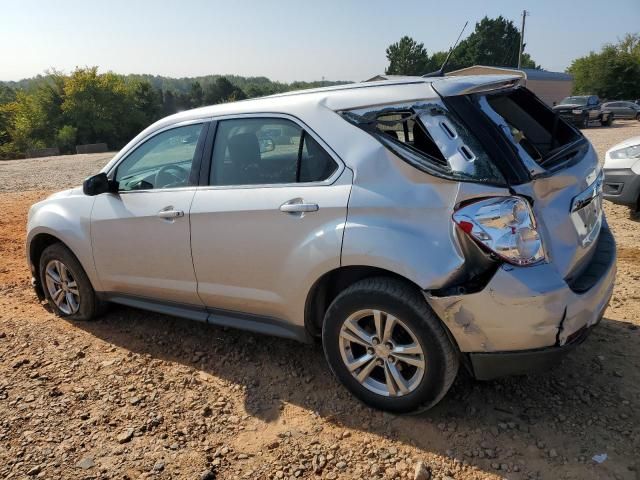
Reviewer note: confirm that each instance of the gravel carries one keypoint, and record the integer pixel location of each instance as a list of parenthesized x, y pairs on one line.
[(49, 173), (125, 396)]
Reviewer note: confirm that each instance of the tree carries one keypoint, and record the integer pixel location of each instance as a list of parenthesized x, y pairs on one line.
[(168, 103), (147, 102), (7, 94), (222, 90), (612, 73), (196, 95), (408, 57), (66, 138), (494, 42), (100, 106)]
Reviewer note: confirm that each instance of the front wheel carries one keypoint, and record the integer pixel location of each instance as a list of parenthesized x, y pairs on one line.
[(66, 285), (383, 342)]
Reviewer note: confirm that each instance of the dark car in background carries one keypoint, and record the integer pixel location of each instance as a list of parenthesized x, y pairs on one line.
[(583, 109), (623, 109)]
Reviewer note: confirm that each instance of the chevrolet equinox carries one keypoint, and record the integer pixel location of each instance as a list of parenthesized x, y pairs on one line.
[(413, 226)]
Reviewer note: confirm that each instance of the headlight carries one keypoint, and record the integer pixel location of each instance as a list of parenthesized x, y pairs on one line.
[(628, 152), (576, 112)]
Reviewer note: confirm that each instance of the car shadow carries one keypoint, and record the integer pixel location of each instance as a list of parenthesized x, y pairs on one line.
[(512, 415)]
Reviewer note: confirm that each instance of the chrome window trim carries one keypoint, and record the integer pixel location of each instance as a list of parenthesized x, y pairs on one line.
[(328, 181)]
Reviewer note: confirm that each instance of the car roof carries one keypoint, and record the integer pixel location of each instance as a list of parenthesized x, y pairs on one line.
[(354, 95), (303, 103)]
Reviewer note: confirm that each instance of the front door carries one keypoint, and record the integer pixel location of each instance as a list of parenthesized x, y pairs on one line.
[(141, 240), (270, 222)]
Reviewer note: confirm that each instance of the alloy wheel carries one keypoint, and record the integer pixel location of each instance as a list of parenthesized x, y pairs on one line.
[(62, 287), (382, 353)]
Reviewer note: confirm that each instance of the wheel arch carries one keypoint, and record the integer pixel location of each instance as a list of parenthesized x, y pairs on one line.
[(329, 285), (36, 245)]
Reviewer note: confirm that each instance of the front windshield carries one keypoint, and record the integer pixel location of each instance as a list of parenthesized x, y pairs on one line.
[(574, 101)]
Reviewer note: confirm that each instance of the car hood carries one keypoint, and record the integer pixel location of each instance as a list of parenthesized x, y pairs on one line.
[(65, 193), (626, 143), (565, 106)]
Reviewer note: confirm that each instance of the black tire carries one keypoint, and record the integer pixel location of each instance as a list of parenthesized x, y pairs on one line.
[(638, 117), (584, 123), (405, 302), (608, 122), (89, 305)]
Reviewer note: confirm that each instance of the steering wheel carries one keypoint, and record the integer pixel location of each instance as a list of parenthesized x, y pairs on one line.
[(170, 175)]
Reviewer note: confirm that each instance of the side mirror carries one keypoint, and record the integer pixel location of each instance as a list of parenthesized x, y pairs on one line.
[(97, 184)]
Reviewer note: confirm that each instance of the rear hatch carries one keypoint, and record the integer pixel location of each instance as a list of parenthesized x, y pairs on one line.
[(555, 167)]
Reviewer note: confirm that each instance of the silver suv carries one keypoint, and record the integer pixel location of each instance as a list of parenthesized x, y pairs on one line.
[(412, 225)]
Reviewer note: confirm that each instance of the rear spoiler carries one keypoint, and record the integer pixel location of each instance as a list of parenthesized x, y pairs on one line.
[(466, 85)]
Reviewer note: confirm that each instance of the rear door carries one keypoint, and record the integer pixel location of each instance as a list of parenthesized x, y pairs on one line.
[(270, 220)]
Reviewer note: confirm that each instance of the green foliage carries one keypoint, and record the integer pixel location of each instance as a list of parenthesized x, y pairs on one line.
[(408, 57), (7, 94), (90, 107), (612, 73), (494, 42), (222, 90), (66, 139)]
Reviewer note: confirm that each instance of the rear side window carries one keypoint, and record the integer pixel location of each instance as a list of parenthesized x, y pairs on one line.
[(267, 151), (532, 127), (430, 138)]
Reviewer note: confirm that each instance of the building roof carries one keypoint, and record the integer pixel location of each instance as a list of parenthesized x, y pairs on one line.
[(528, 73)]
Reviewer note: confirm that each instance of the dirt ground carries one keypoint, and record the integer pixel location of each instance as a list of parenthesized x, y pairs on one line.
[(141, 395)]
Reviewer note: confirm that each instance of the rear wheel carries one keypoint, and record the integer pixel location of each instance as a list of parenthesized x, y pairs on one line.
[(383, 342), (66, 286), (607, 122)]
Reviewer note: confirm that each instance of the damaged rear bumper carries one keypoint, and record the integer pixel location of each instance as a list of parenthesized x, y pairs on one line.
[(525, 314), (487, 366)]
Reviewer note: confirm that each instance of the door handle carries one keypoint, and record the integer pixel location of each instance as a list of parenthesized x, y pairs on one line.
[(298, 207), (169, 212)]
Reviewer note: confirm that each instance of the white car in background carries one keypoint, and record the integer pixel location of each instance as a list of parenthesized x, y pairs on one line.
[(622, 173)]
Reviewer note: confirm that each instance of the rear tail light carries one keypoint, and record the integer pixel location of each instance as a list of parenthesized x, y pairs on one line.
[(505, 226)]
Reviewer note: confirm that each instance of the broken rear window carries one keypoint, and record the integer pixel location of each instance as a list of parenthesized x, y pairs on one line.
[(538, 134), (429, 137)]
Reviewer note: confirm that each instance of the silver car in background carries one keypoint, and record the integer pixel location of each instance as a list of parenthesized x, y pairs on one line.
[(623, 110), (412, 225), (622, 173)]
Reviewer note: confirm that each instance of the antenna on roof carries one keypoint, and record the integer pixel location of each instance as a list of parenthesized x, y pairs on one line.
[(440, 72)]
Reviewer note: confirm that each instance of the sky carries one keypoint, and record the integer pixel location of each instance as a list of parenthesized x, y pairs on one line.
[(284, 40)]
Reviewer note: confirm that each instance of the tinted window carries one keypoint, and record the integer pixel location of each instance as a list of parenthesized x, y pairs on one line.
[(315, 163), (163, 161), (263, 151)]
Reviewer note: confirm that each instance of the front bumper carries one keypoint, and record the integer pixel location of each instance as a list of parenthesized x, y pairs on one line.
[(571, 118), (621, 186), (524, 309)]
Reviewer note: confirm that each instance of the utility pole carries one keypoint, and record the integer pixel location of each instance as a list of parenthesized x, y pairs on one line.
[(524, 16)]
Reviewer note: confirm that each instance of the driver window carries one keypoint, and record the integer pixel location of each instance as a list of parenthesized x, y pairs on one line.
[(163, 161)]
